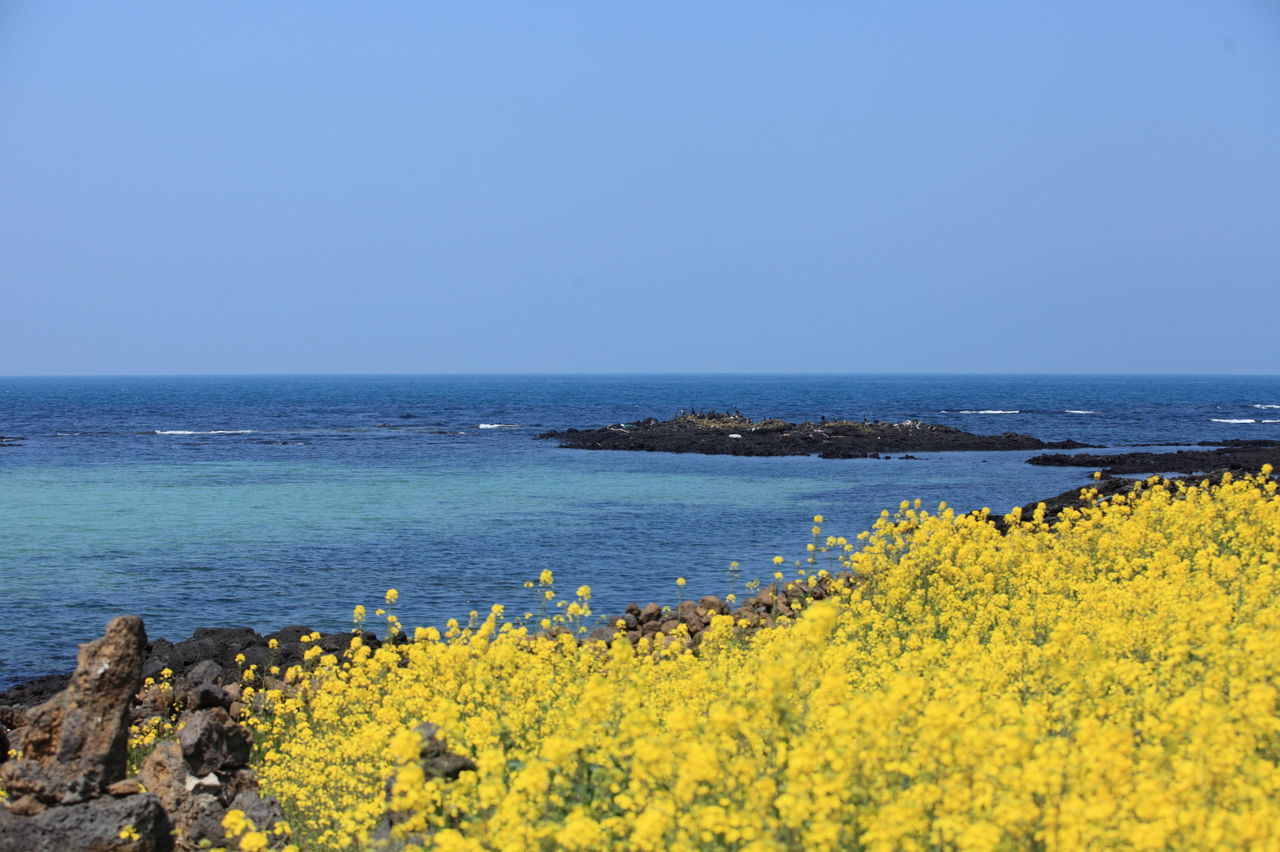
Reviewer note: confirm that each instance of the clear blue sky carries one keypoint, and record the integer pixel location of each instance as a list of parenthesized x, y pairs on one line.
[(239, 187)]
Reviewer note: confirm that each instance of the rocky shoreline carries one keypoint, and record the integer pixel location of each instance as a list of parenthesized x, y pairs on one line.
[(213, 649), (72, 784), (1236, 456), (717, 433), (218, 655)]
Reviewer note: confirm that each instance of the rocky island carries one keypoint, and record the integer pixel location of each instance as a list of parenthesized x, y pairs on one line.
[(716, 433)]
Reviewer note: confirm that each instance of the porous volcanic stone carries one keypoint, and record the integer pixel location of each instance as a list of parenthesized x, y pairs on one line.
[(91, 826), (211, 741), (74, 745), (1247, 458)]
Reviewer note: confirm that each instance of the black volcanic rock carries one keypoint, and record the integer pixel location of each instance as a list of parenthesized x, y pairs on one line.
[(1240, 442), (1054, 506), (35, 691), (209, 655), (713, 433), (1239, 458)]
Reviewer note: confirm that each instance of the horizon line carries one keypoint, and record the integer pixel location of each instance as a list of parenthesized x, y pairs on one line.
[(529, 374)]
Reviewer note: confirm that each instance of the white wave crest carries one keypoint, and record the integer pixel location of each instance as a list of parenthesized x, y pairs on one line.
[(498, 426), (1232, 420), (1267, 406), (1079, 411), (989, 411), (210, 432)]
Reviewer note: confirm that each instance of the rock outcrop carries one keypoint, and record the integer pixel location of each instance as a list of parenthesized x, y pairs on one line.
[(714, 433), (74, 745), (1242, 457), (203, 773), (135, 823), (688, 620), (197, 803), (210, 652), (68, 790)]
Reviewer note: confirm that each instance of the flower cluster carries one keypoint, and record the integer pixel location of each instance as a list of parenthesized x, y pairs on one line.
[(1107, 680)]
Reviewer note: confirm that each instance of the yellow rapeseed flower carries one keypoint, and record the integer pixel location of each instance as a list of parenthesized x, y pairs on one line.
[(1106, 679)]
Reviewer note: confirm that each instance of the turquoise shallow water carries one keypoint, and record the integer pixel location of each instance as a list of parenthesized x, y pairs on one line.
[(267, 501)]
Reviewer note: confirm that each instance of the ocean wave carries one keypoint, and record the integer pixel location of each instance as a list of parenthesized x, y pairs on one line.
[(1266, 405), (193, 432), (1079, 411), (988, 411), (1232, 420), (498, 426)]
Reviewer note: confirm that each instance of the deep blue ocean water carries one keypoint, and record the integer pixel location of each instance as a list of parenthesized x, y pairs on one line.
[(266, 501)]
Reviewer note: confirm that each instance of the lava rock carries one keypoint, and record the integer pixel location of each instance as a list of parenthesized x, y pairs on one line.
[(650, 613), (74, 745), (437, 760), (90, 826), (205, 671), (713, 604), (197, 804), (714, 433), (1248, 458), (206, 695), (211, 740), (36, 691), (164, 773)]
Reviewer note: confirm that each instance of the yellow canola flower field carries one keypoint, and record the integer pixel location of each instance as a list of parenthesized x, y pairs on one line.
[(1106, 683)]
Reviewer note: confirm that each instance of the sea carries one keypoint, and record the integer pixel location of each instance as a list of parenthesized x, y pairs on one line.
[(267, 501)]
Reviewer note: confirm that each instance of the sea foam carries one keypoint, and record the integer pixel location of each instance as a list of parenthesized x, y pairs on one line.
[(209, 432), (1232, 420), (498, 426)]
